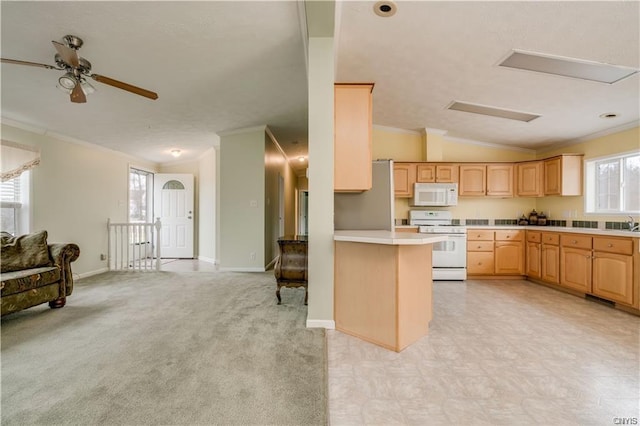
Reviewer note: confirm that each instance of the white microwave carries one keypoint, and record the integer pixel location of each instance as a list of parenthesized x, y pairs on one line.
[(435, 194)]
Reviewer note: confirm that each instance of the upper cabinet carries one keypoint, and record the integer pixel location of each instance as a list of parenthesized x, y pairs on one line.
[(430, 172), (473, 180), (563, 175), (404, 176), (352, 139), (529, 179), (500, 180)]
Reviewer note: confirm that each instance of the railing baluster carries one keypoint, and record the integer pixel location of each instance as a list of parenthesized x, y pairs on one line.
[(133, 246)]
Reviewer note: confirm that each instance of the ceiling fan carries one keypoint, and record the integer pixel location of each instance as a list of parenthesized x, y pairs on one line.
[(77, 69)]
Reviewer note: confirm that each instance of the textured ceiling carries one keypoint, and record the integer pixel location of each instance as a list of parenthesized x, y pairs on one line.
[(219, 66)]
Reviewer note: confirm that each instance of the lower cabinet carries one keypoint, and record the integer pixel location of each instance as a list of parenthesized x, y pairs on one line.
[(495, 253), (534, 261), (550, 263), (576, 269), (480, 252), (613, 269)]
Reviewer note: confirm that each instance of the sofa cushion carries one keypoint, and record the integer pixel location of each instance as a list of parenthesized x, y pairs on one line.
[(28, 279), (24, 252)]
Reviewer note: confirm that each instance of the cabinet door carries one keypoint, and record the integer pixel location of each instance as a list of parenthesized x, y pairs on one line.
[(426, 173), (552, 176), (509, 258), (533, 260), (404, 176), (352, 137), (473, 180), (613, 277), (550, 264), (500, 180), (575, 270), (480, 263), (447, 173), (529, 180)]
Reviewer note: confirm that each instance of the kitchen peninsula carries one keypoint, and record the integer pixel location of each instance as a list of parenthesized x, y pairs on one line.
[(383, 286)]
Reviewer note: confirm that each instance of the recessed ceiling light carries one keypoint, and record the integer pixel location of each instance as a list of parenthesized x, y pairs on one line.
[(609, 115), (567, 67), (385, 8), (492, 111)]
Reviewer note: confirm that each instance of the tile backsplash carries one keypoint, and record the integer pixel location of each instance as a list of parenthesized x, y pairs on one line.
[(584, 224)]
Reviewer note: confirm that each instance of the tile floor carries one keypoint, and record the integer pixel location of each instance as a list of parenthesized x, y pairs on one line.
[(498, 352)]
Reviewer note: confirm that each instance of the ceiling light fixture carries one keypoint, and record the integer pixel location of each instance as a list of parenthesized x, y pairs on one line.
[(567, 67), (301, 159), (67, 82), (385, 8), (492, 111), (176, 153)]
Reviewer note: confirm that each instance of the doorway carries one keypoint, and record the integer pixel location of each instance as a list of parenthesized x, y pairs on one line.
[(303, 208), (173, 204)]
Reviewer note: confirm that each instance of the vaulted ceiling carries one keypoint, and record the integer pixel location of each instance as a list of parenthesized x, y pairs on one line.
[(221, 65)]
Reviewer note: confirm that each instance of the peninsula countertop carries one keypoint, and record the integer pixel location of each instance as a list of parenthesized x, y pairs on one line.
[(387, 237)]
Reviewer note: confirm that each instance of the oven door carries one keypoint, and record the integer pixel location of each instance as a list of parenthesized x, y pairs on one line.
[(451, 253)]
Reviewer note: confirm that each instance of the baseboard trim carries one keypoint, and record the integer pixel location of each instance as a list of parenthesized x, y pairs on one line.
[(208, 260), (90, 274), (328, 324), (240, 269)]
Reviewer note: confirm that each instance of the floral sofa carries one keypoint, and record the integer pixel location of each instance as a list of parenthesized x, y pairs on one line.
[(34, 272)]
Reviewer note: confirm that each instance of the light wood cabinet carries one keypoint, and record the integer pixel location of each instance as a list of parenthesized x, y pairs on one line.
[(563, 175), (529, 179), (404, 176), (509, 252), (352, 137), (499, 180), (412, 230), (613, 269), (473, 180), (575, 262), (550, 257), (499, 252), (441, 173), (533, 255)]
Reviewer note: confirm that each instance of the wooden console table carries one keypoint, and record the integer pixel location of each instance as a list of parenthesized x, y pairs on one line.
[(291, 266)]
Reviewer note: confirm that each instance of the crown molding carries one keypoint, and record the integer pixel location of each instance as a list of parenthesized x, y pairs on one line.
[(489, 145), (262, 127), (431, 130)]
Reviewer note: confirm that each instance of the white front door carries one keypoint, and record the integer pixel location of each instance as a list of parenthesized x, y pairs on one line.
[(173, 204)]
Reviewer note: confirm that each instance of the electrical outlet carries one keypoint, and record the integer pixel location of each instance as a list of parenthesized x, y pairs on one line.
[(252, 256)]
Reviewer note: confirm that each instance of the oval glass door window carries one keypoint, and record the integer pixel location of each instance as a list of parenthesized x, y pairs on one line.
[(173, 184)]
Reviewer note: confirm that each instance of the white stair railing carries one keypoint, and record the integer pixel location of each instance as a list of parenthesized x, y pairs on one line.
[(132, 245)]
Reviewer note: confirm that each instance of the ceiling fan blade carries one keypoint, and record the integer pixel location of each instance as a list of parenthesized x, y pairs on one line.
[(69, 55), (77, 95), (124, 86), (31, 64)]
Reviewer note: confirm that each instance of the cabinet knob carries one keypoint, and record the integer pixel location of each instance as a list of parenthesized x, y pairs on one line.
[(508, 236), (479, 246), (609, 245), (588, 257), (574, 242)]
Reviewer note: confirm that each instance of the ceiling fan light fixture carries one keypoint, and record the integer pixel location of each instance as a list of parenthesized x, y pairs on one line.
[(67, 81), (87, 88)]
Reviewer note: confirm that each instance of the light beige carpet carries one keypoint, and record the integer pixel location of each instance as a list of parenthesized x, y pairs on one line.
[(166, 348)]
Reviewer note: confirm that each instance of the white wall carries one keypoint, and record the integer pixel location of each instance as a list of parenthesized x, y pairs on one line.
[(207, 206), (75, 189), (242, 210)]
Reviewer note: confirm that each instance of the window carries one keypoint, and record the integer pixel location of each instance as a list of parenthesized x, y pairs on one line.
[(14, 204), (140, 196), (613, 184)]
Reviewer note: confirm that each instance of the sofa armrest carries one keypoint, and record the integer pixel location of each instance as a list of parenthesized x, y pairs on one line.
[(62, 255)]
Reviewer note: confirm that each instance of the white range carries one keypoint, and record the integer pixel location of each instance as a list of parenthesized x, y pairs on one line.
[(449, 257)]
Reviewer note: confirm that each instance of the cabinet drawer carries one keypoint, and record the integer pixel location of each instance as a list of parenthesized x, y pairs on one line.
[(511, 235), (576, 241), (479, 245), (613, 245), (480, 263), (534, 237), (552, 239), (479, 235)]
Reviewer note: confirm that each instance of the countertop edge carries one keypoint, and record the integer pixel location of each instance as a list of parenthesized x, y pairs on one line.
[(387, 237)]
